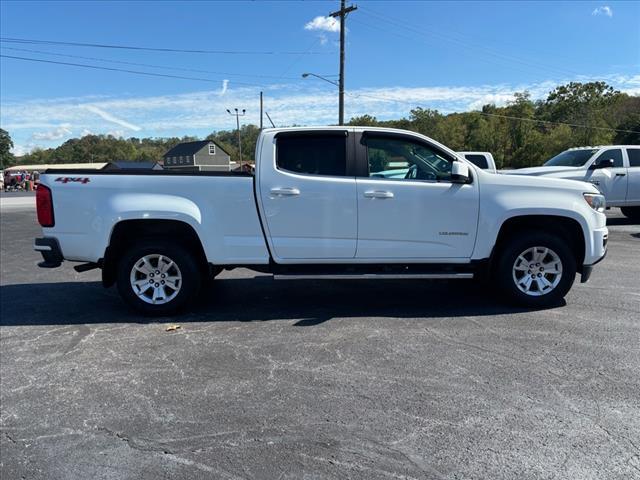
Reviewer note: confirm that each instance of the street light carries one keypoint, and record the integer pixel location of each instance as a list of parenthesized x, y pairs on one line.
[(340, 94), (305, 75), (238, 115)]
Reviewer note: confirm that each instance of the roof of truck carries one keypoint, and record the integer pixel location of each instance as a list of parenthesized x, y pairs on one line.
[(603, 146)]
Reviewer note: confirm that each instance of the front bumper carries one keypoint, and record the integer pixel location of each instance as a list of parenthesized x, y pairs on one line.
[(587, 269), (50, 250)]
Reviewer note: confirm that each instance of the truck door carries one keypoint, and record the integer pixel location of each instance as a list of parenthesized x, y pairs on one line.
[(308, 196), (612, 182), (408, 208), (633, 172)]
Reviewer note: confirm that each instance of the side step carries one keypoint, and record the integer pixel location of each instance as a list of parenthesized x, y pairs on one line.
[(374, 276)]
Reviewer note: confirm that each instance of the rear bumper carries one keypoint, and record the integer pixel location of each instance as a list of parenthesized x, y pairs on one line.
[(50, 250)]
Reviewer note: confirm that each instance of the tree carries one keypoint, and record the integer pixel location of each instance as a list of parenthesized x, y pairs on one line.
[(6, 144), (588, 104), (364, 121), (629, 133)]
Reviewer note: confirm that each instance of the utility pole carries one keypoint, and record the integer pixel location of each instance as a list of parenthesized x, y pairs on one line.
[(238, 115), (261, 108), (342, 13)]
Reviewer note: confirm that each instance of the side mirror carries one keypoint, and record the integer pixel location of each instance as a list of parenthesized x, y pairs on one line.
[(460, 172), (604, 163)]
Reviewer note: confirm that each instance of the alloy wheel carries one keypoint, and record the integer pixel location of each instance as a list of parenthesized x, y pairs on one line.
[(537, 271), (156, 279)]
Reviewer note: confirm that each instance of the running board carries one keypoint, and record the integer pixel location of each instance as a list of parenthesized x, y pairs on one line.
[(374, 276)]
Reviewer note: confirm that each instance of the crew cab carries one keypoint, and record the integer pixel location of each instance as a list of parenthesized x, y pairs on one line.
[(324, 203), (613, 169)]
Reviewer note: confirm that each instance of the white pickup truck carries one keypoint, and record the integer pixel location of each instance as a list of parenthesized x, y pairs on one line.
[(483, 160), (324, 203), (614, 169)]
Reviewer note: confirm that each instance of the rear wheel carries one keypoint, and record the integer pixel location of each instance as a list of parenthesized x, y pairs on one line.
[(535, 269), (158, 278), (631, 212)]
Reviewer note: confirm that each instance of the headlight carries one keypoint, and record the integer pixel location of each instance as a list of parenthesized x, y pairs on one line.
[(595, 201)]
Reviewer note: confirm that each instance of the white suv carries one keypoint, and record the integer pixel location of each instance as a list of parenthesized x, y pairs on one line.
[(613, 169)]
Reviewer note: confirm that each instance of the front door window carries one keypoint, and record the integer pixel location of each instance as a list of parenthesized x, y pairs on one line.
[(400, 159)]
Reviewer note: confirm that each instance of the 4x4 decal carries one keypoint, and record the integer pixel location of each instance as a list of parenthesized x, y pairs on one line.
[(82, 180)]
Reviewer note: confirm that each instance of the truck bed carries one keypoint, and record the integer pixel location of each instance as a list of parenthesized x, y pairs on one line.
[(219, 206)]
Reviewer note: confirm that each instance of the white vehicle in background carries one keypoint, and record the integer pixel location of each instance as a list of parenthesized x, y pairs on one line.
[(483, 160), (613, 169)]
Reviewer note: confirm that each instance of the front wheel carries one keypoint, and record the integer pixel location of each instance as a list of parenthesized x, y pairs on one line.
[(158, 278), (535, 269), (631, 212)]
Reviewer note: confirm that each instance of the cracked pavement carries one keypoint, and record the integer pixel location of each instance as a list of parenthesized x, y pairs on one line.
[(289, 380)]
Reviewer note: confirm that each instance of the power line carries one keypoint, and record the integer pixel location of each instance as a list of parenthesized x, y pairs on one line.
[(556, 123), (350, 94), (136, 72), (154, 49), (399, 23), (144, 64), (523, 119)]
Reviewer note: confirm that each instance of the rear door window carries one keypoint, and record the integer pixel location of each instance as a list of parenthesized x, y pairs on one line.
[(315, 154), (634, 157)]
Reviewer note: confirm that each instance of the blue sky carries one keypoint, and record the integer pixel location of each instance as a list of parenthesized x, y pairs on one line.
[(452, 56)]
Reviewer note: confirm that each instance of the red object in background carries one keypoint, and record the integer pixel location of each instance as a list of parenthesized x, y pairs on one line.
[(44, 206)]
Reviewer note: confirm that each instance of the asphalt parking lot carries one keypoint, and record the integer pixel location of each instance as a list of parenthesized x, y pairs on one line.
[(289, 380)]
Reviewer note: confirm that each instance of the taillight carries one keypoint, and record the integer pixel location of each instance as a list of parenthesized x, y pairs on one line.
[(44, 206)]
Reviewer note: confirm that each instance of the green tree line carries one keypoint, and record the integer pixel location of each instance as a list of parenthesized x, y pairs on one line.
[(522, 133)]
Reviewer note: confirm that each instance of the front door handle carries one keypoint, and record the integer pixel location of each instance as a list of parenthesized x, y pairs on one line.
[(620, 174), (284, 192), (378, 194)]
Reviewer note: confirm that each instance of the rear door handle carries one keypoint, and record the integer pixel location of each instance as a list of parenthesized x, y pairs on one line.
[(378, 194), (285, 192), (620, 174)]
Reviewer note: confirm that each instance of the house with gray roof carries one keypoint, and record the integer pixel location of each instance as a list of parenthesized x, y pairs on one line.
[(204, 155)]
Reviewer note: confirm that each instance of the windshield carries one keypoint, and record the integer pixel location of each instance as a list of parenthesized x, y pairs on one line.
[(571, 158)]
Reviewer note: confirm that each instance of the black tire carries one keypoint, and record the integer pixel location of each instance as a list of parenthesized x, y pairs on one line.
[(631, 212), (208, 276), (191, 277), (513, 247)]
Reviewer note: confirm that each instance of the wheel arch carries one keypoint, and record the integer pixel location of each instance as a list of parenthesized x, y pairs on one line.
[(568, 227), (126, 232)]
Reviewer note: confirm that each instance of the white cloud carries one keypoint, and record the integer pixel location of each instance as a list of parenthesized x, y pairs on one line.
[(327, 24), (604, 10), (19, 150), (198, 113), (225, 84), (112, 118), (55, 134)]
